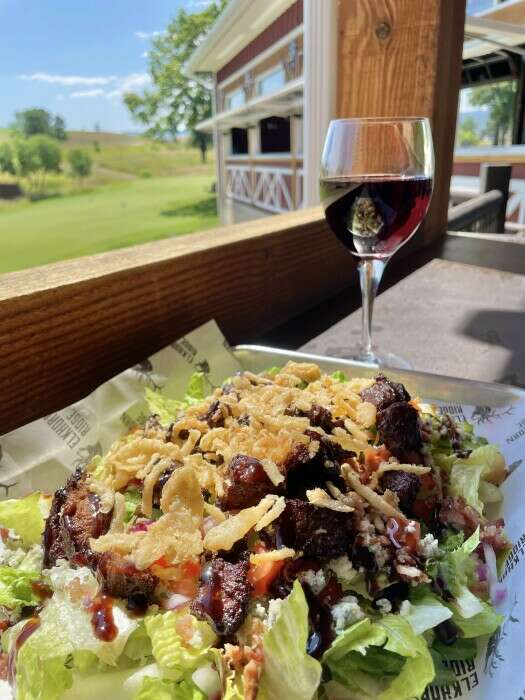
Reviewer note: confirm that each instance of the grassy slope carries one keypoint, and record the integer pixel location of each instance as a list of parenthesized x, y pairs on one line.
[(138, 191), (117, 215)]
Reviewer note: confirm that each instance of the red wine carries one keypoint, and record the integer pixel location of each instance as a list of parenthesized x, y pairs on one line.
[(373, 216)]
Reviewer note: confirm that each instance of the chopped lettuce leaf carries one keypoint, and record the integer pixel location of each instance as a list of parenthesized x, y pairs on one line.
[(273, 371), (467, 603), (138, 646), (456, 568), (39, 679), (395, 662), (470, 477), (484, 622), (464, 482), (132, 499), (16, 591), (426, 611), (444, 674), (47, 657), (339, 376), (26, 516), (462, 649), (288, 671), (171, 651), (415, 675), (452, 540), (168, 409), (163, 689), (358, 638)]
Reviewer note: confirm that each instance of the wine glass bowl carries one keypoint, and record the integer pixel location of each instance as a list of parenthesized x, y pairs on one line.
[(375, 185)]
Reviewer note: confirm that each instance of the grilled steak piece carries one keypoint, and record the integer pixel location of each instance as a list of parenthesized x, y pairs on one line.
[(304, 472), (316, 531), (247, 484), (121, 579), (398, 428), (404, 485), (224, 594), (75, 518), (383, 393)]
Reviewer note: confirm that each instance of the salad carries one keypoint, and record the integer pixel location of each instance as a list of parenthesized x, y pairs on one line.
[(292, 535)]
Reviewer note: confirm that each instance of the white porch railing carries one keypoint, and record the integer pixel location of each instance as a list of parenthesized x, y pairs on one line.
[(515, 203), (266, 187)]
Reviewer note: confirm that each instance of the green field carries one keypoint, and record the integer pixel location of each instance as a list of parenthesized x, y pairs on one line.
[(138, 191)]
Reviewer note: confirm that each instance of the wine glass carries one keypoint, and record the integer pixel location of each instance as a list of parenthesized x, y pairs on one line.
[(376, 184)]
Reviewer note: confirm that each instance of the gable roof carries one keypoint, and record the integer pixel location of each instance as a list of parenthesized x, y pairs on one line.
[(239, 23)]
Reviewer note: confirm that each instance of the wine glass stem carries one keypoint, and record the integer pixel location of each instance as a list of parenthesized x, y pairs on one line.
[(370, 273)]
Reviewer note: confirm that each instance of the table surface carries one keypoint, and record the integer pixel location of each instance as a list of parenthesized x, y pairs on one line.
[(447, 318)]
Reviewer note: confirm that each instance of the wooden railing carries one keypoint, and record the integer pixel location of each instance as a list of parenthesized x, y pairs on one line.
[(480, 214)]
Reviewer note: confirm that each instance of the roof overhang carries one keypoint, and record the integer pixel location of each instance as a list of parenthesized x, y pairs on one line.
[(287, 100), (239, 23), (487, 35)]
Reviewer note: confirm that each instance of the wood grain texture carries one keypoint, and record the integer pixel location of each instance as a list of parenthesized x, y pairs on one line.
[(67, 327), (403, 58)]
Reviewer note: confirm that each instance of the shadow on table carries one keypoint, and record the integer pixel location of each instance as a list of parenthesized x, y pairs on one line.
[(505, 329)]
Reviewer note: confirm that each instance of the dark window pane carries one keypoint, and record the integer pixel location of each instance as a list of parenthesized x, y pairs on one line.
[(275, 135), (239, 141)]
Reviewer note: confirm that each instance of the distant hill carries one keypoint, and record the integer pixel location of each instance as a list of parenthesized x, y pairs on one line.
[(480, 116)]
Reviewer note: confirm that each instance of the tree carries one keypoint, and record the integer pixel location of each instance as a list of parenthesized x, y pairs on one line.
[(80, 162), (201, 140), (175, 101), (40, 121), (500, 99), (7, 159), (35, 157), (467, 134), (58, 129)]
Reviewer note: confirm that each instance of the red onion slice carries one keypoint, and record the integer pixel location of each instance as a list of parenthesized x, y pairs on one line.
[(497, 590), (392, 527)]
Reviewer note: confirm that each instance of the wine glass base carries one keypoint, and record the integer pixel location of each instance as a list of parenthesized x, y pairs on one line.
[(377, 357)]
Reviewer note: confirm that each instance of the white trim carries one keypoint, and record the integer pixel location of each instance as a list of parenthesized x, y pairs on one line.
[(267, 102), (297, 31), (320, 73), (234, 29), (272, 169)]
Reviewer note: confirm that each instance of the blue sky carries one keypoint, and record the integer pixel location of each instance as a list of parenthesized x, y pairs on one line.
[(77, 57)]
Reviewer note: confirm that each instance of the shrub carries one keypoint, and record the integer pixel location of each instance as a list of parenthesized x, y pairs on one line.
[(80, 162), (7, 159)]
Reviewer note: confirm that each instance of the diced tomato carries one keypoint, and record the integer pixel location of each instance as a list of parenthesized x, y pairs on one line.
[(191, 568), (373, 458), (262, 575), (425, 503), (406, 538), (184, 627), (162, 562)]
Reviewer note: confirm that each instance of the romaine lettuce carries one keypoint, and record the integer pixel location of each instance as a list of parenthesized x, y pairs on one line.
[(170, 650), (288, 671), (168, 409), (470, 477), (163, 689), (426, 611), (484, 622), (26, 516), (16, 591), (384, 659), (339, 376)]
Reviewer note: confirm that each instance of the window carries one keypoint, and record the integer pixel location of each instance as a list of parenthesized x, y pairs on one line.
[(271, 82), (239, 141), (487, 115), (235, 100), (275, 135)]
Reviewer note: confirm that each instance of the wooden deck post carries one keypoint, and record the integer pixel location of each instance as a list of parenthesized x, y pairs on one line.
[(403, 58)]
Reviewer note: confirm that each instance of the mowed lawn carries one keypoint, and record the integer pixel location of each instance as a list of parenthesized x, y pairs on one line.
[(116, 215)]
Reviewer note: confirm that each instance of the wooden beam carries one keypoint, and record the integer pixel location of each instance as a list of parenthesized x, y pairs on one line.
[(403, 58), (67, 327)]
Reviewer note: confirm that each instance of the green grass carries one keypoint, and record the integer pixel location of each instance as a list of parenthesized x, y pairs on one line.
[(116, 215)]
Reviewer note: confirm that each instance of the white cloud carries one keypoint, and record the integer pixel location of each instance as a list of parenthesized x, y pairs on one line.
[(69, 79), (147, 35), (128, 83), (144, 54), (97, 92), (197, 4)]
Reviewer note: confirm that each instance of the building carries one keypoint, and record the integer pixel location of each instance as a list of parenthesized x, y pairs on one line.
[(274, 80), (263, 83)]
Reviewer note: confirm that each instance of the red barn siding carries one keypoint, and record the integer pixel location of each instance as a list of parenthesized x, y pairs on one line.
[(282, 26)]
